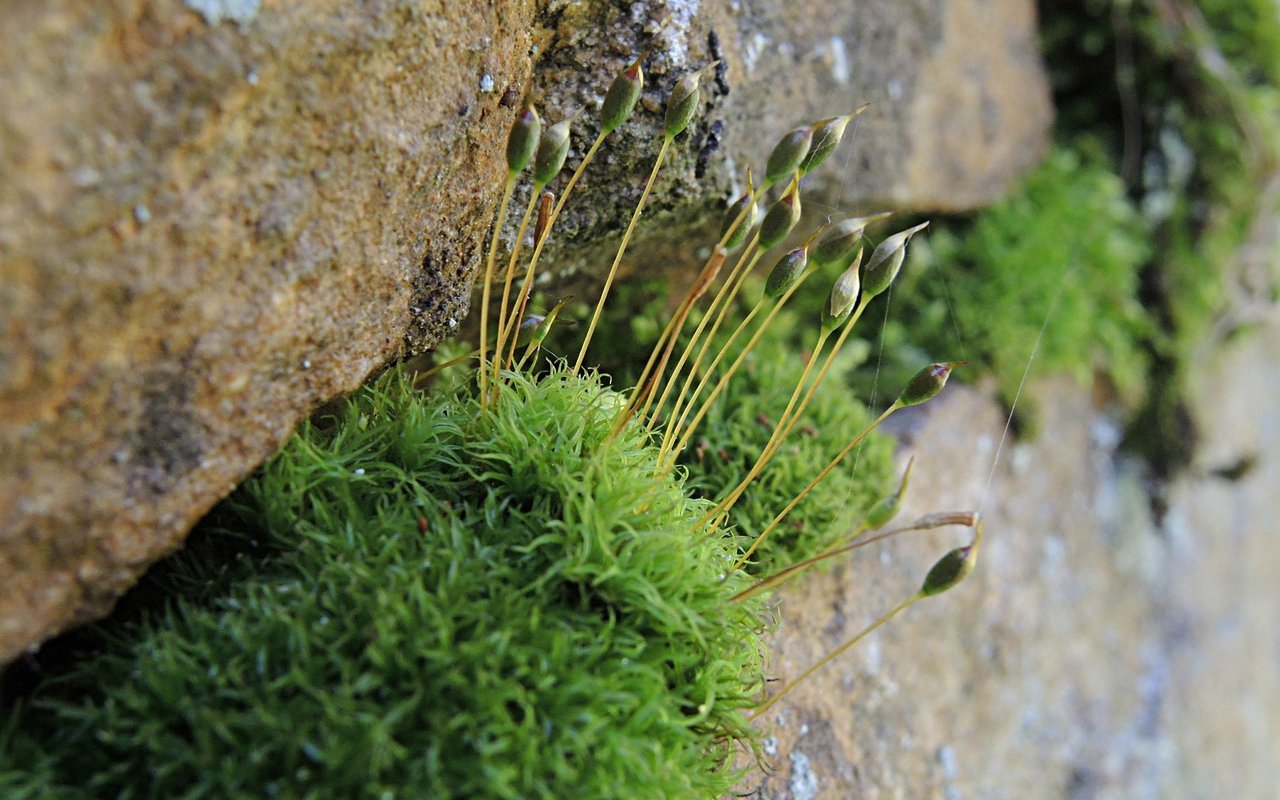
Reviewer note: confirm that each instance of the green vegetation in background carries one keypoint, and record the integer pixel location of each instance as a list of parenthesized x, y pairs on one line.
[(1223, 104), (451, 604), (1069, 242), (1166, 155), (1192, 115)]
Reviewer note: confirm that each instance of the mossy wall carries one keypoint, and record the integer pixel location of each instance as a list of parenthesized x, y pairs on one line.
[(424, 596), (365, 564)]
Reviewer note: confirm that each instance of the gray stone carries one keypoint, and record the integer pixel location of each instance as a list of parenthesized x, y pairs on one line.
[(1095, 652), (956, 113)]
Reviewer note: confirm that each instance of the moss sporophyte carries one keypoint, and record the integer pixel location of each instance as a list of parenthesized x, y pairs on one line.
[(528, 584)]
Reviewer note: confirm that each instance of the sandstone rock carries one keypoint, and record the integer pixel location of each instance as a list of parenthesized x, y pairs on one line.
[(217, 214), (207, 229)]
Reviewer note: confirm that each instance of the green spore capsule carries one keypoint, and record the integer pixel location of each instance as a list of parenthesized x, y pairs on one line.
[(883, 512), (886, 261), (826, 137), (553, 149), (839, 242), (529, 327), (952, 568), (748, 221), (621, 97), (844, 294), (683, 102), (781, 218), (787, 155), (926, 383), (535, 327), (522, 142), (786, 272)]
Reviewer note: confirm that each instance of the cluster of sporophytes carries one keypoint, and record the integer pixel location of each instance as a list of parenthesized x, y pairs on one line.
[(507, 589)]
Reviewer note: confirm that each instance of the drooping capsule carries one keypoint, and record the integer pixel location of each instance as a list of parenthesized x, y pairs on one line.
[(839, 242), (683, 102), (787, 155), (844, 294), (781, 218), (786, 272), (748, 221), (827, 134), (952, 568), (884, 511), (926, 383)]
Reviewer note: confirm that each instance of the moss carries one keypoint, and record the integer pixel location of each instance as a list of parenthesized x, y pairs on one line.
[(1185, 102), (1248, 34), (739, 425), (738, 428), (1068, 242), (1226, 115), (418, 595), (451, 603), (1167, 140), (448, 597)]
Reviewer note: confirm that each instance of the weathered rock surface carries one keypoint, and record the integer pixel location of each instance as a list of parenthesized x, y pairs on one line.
[(959, 105), (1096, 652), (207, 228), (216, 214)]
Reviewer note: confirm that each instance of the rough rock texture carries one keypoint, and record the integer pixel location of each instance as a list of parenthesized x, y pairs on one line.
[(1097, 652), (206, 229), (959, 105), (216, 214)]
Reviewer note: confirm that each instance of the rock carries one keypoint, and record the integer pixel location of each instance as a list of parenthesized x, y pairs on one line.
[(956, 114), (1223, 686), (217, 214), (1095, 652), (209, 227)]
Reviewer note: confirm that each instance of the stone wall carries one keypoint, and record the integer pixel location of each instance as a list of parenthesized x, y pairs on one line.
[(216, 215)]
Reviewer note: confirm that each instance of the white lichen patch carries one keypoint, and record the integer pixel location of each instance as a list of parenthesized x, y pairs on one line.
[(671, 31), (752, 48), (838, 59), (215, 11), (803, 783)]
